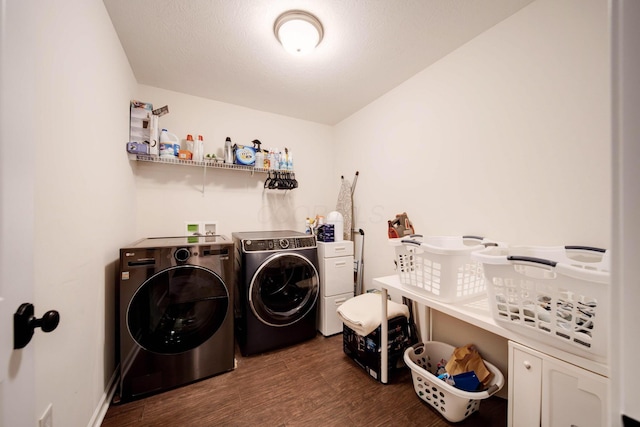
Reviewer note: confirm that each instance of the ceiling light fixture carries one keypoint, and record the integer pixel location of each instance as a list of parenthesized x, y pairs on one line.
[(298, 31)]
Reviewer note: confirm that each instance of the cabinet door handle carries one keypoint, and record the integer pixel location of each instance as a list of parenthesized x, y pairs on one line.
[(340, 264), (527, 365)]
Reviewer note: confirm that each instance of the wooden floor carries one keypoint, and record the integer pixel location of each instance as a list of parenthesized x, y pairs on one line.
[(309, 384)]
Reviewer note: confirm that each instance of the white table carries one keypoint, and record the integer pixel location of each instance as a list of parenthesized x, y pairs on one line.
[(475, 312)]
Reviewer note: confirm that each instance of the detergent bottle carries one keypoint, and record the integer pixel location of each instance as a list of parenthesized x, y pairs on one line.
[(169, 144)]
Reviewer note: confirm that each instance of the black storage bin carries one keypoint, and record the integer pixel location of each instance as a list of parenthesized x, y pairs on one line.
[(365, 351)]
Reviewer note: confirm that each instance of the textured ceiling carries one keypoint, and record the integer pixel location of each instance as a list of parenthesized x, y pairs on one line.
[(225, 50)]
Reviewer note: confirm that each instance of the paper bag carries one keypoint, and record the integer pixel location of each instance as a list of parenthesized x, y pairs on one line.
[(466, 359)]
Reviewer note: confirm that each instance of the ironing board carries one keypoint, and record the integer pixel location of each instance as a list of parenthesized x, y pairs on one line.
[(345, 207)]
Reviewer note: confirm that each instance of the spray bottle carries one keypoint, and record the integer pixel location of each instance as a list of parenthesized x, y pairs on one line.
[(228, 151)]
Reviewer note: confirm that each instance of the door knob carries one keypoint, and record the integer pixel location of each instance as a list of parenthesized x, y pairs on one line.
[(25, 322)]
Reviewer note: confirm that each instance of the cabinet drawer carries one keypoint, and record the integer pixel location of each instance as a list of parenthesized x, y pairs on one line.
[(335, 249), (328, 321), (525, 389), (336, 275)]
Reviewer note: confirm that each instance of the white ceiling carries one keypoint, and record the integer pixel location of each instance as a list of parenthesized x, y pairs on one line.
[(225, 50)]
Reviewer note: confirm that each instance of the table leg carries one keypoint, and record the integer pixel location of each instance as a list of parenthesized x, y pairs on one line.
[(384, 339)]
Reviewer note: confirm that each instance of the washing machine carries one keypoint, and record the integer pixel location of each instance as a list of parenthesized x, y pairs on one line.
[(175, 313), (277, 289)]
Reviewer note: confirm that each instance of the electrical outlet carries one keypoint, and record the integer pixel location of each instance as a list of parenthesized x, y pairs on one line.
[(46, 420), (209, 228), (200, 228), (193, 228)]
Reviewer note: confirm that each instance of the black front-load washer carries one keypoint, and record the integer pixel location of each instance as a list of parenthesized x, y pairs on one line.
[(175, 313), (277, 289)]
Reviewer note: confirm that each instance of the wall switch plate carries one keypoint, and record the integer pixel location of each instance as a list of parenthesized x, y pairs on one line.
[(46, 420)]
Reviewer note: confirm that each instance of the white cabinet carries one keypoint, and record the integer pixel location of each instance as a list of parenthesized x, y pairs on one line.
[(336, 283), (548, 392)]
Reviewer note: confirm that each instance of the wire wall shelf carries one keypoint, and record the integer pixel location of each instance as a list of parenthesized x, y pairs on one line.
[(206, 163)]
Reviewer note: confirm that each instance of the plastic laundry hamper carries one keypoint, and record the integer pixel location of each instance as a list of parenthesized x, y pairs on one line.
[(424, 360), (558, 295), (441, 266)]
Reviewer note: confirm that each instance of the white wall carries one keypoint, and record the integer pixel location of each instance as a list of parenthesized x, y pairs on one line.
[(84, 198), (169, 195), (507, 137)]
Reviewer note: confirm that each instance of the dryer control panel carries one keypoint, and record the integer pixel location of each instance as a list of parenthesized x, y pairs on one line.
[(279, 244)]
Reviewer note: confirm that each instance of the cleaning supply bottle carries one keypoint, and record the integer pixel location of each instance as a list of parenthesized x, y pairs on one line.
[(272, 160), (259, 159), (189, 145), (286, 163), (228, 151), (280, 159), (290, 162), (198, 155), (267, 160), (259, 164), (169, 144)]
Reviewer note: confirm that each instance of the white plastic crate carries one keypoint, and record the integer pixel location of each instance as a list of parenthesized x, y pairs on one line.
[(557, 295), (441, 266), (424, 360)]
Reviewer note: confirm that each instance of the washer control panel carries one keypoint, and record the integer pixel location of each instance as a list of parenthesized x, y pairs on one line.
[(280, 244)]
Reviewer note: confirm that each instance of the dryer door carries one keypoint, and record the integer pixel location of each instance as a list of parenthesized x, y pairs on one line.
[(177, 309), (284, 289)]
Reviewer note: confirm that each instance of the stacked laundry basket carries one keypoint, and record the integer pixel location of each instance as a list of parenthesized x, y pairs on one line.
[(557, 295)]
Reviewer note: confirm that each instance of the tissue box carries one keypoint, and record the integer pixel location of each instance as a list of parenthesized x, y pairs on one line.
[(326, 233), (137, 148)]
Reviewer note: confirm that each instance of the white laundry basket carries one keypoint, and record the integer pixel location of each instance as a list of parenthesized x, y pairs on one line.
[(424, 360), (558, 295), (441, 266)]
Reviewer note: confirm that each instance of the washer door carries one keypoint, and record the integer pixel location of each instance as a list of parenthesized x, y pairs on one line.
[(284, 289), (177, 309)]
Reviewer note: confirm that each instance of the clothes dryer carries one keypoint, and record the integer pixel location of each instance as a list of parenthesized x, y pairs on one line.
[(175, 313), (277, 289)]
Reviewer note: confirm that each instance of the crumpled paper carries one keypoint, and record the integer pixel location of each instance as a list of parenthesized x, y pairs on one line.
[(467, 359)]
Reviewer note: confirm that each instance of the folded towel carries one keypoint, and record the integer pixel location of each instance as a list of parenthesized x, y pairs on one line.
[(363, 313)]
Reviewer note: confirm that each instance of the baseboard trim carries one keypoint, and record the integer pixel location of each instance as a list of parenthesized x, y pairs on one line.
[(103, 405)]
